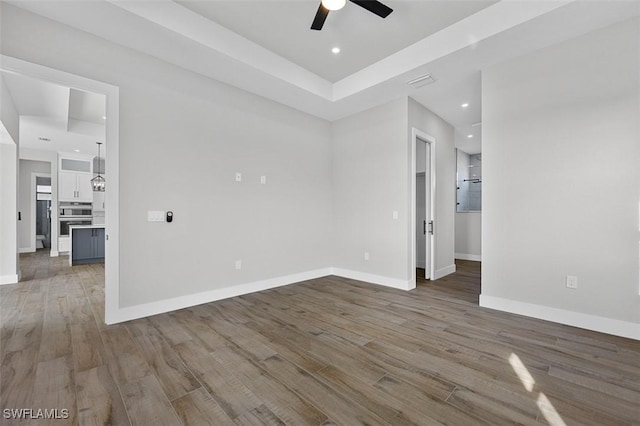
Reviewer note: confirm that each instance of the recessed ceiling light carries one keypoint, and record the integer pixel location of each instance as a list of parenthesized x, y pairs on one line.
[(76, 150), (104, 117), (335, 50), (469, 136), (464, 105)]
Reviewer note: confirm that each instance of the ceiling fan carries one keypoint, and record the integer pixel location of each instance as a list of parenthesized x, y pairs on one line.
[(326, 6)]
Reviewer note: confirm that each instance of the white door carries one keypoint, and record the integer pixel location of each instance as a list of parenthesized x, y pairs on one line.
[(423, 208)]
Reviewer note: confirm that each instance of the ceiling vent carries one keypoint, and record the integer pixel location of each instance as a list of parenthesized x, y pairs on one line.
[(43, 139), (423, 80)]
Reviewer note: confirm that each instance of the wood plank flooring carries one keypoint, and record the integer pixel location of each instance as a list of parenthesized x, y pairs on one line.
[(322, 352)]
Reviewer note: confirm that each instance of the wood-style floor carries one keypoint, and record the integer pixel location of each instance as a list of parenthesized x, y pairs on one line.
[(326, 351)]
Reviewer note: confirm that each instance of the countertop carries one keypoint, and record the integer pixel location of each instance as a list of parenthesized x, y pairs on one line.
[(85, 226)]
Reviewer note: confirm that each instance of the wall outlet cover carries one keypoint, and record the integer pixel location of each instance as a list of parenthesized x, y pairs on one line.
[(572, 281), (238, 264), (155, 216), (238, 177)]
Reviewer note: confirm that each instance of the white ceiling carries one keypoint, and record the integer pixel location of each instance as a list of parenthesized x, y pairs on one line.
[(266, 47), (68, 119), (364, 38)]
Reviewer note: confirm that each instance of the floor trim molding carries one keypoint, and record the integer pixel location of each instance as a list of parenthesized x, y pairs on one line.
[(576, 319), (8, 279), (374, 279), (465, 256), (442, 272), (180, 302)]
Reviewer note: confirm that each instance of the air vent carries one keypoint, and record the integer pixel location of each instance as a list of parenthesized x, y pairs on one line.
[(43, 139), (421, 81)]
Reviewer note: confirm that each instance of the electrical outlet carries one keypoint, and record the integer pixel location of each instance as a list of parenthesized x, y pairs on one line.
[(238, 177), (263, 180), (395, 214), (238, 264), (366, 255), (572, 281)]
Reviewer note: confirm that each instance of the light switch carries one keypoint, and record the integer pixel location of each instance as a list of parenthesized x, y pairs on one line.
[(238, 177), (155, 216)]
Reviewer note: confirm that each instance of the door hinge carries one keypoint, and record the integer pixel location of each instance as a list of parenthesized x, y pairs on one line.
[(431, 227)]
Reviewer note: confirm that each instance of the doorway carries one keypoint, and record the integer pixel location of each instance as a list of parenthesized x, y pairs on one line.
[(423, 183), (43, 212), (76, 83)]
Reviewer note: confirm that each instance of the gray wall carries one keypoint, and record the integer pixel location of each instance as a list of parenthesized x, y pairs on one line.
[(561, 178), (444, 222), (182, 138), (26, 238)]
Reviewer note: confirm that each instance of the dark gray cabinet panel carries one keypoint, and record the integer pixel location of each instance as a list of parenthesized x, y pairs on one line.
[(87, 245), (99, 241)]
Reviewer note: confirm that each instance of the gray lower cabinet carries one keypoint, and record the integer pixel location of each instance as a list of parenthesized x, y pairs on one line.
[(88, 245)]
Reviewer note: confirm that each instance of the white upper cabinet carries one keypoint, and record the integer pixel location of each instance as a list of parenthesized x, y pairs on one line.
[(74, 178)]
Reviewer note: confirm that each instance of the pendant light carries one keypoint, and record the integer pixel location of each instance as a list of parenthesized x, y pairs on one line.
[(98, 182)]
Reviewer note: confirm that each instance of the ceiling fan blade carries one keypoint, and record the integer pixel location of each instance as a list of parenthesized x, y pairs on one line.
[(374, 6), (321, 16)]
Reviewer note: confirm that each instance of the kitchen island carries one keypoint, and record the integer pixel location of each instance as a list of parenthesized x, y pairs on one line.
[(86, 244)]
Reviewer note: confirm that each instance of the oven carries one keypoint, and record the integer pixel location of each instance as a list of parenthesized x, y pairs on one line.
[(76, 210), (73, 214), (66, 222)]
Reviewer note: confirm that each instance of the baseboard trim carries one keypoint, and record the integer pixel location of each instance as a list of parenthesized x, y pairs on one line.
[(173, 304), (9, 279), (54, 253), (442, 272), (374, 279), (465, 256), (27, 250), (576, 319)]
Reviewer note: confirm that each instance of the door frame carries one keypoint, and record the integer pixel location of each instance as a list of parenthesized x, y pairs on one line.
[(418, 135), (112, 140), (32, 225)]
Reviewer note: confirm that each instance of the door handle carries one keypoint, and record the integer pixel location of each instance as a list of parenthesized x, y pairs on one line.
[(424, 227), (431, 227)]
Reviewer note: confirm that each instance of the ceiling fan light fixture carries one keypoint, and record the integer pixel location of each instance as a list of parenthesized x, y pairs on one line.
[(334, 4)]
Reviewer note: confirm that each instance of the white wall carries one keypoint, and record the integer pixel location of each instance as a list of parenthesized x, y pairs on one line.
[(561, 182), (370, 173), (444, 222), (8, 113), (8, 213), (469, 236), (26, 238), (9, 268), (182, 138)]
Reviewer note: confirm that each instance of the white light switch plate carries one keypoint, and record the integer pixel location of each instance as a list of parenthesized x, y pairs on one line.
[(238, 177), (155, 216)]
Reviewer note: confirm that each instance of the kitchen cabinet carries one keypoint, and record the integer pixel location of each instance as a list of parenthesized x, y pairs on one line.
[(75, 186), (98, 201), (87, 245), (75, 172)]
